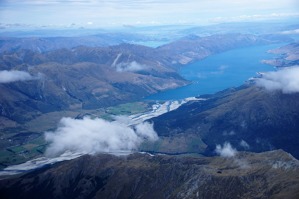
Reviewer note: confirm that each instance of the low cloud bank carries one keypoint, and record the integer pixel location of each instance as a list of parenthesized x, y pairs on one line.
[(286, 80), (97, 135), (14, 75), (226, 150)]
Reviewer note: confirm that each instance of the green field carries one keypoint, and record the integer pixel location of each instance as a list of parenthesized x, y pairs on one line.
[(21, 153), (128, 108)]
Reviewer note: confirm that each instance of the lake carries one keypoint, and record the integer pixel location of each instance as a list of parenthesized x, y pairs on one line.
[(220, 71)]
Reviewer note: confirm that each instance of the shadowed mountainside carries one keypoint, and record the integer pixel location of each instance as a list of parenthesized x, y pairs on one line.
[(247, 175), (261, 119)]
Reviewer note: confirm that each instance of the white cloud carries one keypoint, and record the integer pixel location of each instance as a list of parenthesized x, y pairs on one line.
[(289, 32), (242, 163), (244, 144), (129, 67), (286, 80), (97, 135), (14, 75), (254, 17), (226, 151)]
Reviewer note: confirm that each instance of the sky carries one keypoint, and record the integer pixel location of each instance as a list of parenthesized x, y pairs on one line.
[(105, 13)]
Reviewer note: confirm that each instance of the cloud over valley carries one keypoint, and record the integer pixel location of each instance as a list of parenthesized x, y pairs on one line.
[(97, 135)]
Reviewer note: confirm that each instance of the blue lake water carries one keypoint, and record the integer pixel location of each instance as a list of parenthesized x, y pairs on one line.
[(220, 71)]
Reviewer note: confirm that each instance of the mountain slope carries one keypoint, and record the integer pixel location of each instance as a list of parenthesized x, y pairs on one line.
[(261, 119), (266, 175), (289, 56), (83, 77)]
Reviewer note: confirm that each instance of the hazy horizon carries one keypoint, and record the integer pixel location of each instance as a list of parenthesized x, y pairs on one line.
[(116, 13)]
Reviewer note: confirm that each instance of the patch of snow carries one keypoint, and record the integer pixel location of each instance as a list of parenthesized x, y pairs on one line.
[(116, 60)]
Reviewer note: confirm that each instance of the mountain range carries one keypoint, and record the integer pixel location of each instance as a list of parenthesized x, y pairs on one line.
[(95, 77), (238, 143)]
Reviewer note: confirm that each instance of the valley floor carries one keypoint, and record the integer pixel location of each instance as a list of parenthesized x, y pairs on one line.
[(158, 108)]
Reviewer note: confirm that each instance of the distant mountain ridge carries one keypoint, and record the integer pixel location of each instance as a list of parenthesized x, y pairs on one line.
[(193, 48), (288, 55), (45, 44)]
